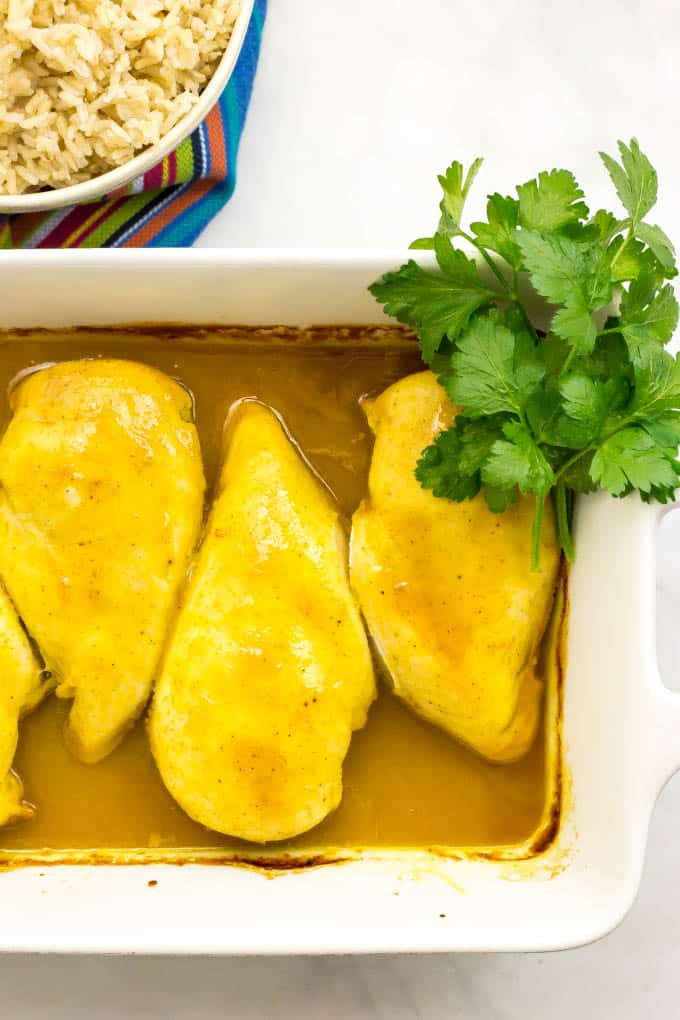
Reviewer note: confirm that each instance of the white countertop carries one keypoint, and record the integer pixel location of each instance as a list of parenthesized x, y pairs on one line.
[(348, 125)]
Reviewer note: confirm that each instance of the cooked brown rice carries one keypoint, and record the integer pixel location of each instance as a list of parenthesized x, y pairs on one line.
[(87, 84)]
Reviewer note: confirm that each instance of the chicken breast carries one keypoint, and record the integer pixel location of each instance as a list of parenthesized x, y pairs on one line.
[(268, 670), (101, 497), (23, 683), (446, 588)]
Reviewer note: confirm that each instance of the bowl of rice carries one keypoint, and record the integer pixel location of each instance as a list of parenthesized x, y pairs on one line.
[(93, 93)]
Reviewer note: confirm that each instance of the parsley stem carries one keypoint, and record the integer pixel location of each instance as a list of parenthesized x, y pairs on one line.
[(568, 360), (536, 533), (572, 460), (563, 529), (527, 321), (629, 237), (487, 258), (511, 292), (589, 449)]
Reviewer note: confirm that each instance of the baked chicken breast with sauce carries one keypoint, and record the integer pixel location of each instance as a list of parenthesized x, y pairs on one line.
[(23, 684), (268, 670), (101, 501), (446, 589)]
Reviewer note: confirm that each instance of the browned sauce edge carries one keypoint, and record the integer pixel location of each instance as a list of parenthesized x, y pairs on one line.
[(337, 334)]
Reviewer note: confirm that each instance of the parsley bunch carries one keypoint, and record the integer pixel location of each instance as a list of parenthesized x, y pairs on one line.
[(595, 402)]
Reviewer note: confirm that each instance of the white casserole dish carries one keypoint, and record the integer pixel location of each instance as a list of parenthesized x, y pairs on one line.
[(621, 726)]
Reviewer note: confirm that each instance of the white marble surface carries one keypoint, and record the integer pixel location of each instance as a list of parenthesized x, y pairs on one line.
[(347, 127)]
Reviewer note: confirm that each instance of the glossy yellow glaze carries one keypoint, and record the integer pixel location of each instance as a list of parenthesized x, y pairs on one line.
[(406, 783), (268, 670), (101, 498), (446, 588), (22, 685)]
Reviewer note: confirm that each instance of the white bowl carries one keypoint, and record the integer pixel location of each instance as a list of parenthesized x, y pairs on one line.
[(102, 184), (620, 732)]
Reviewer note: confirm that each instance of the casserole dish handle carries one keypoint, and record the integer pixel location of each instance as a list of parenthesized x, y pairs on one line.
[(662, 731)]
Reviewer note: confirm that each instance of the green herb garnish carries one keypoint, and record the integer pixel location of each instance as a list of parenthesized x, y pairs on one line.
[(596, 402)]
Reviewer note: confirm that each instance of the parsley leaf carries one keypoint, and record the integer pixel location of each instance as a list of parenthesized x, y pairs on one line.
[(436, 305), (627, 259), (422, 244), (517, 460), (606, 225), (456, 184), (634, 178), (665, 430), (498, 234), (648, 315), (439, 469), (660, 244), (491, 371), (585, 399), (570, 415), (656, 375), (565, 273), (632, 459), (451, 465), (498, 500), (575, 324), (551, 201), (562, 271)]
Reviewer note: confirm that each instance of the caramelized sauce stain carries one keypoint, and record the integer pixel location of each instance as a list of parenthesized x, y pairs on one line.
[(406, 783)]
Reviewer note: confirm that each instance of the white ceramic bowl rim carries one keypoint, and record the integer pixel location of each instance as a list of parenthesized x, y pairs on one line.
[(102, 184)]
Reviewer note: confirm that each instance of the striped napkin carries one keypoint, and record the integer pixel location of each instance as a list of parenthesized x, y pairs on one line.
[(172, 203)]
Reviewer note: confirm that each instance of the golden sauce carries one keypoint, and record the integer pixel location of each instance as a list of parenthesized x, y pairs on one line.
[(405, 783)]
